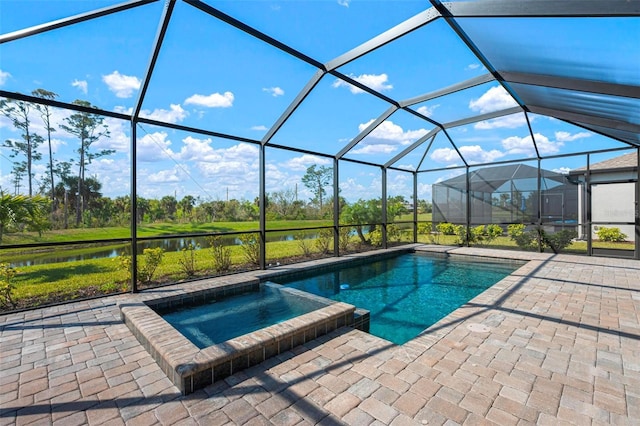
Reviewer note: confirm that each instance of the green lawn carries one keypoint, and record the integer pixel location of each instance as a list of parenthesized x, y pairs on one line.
[(66, 280), (152, 230)]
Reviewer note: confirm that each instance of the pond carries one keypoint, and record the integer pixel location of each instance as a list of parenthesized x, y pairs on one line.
[(73, 253)]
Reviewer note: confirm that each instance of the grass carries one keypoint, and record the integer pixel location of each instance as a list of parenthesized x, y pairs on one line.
[(151, 230), (67, 280)]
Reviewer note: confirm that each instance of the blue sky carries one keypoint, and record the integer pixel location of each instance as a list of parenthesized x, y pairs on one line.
[(210, 75)]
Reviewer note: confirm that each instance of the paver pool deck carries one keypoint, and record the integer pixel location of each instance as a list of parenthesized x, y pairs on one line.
[(557, 342)]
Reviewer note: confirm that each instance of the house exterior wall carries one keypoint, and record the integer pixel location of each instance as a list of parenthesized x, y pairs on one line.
[(611, 203)]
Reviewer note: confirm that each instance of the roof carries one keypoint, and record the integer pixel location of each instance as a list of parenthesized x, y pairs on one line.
[(625, 161), (491, 179)]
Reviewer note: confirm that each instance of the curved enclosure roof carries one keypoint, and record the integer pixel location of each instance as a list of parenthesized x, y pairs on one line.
[(409, 85)]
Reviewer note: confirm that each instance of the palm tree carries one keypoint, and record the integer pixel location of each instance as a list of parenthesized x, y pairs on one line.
[(22, 209)]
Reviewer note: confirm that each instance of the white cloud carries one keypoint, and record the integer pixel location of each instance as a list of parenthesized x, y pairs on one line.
[(122, 85), (473, 154), (374, 149), (214, 100), (424, 191), (562, 170), (56, 144), (427, 110), (113, 173), (3, 77), (260, 128), (174, 115), (494, 99), (568, 137), (300, 164), (445, 155), (406, 166), (512, 121), (5, 122), (473, 66), (546, 146), (344, 3), (231, 166), (154, 147), (518, 145), (119, 135), (165, 176), (274, 91), (389, 131), (386, 138), (375, 81), (82, 85)]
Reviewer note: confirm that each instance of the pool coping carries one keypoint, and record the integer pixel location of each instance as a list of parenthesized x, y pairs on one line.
[(191, 368)]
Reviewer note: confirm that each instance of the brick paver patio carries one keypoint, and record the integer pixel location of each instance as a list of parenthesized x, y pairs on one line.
[(557, 342)]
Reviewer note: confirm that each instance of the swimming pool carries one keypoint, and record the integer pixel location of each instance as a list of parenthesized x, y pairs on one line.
[(192, 363), (220, 319), (405, 294)]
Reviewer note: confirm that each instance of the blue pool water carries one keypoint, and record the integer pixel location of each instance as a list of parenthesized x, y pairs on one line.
[(405, 294), (220, 320)]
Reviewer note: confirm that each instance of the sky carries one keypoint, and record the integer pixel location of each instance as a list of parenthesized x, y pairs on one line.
[(212, 76)]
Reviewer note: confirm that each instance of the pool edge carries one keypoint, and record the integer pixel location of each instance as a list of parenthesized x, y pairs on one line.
[(190, 368)]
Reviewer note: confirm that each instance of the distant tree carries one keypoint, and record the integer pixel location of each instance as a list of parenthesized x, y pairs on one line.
[(231, 210), (21, 209), (122, 208), (283, 205), (142, 208), (18, 171), (315, 179), (186, 204), (66, 191), (45, 113), (169, 206), (102, 211), (362, 213), (424, 206), (89, 128), (396, 206), (249, 210), (18, 113)]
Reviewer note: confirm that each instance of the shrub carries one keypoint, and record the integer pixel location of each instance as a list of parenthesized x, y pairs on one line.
[(460, 231), (477, 234), (152, 259), (613, 235), (446, 228), (393, 233), (484, 234), (323, 242), (125, 262), (344, 238), (424, 228), (188, 261), (303, 243), (558, 241), (251, 247), (7, 273), (492, 232), (375, 237), (529, 239), (221, 254), (521, 237)]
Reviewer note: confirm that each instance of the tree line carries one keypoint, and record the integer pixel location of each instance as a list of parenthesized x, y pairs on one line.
[(73, 197), (66, 182)]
